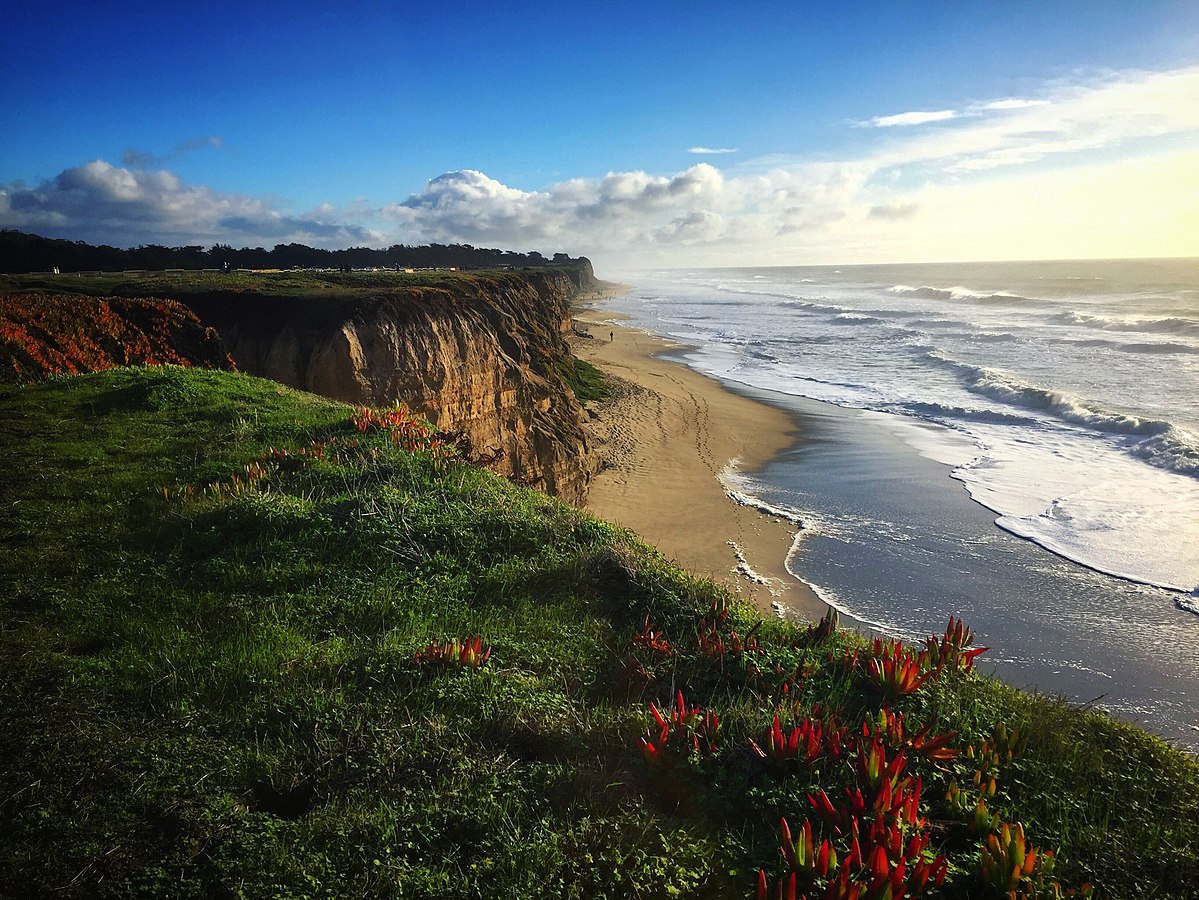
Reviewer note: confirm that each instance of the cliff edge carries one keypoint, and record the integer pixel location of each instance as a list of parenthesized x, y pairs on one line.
[(480, 355)]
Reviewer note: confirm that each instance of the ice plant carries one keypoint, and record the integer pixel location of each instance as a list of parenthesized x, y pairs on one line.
[(878, 846), (468, 653), (1007, 743), (895, 671), (821, 631), (710, 642), (804, 744), (406, 430), (649, 638), (890, 727), (872, 767), (1012, 864), (952, 650), (803, 856), (684, 731)]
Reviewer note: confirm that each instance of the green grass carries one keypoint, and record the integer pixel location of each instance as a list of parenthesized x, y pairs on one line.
[(210, 692), (288, 284), (585, 380)]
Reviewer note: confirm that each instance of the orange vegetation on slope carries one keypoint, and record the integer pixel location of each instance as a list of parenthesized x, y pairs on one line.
[(51, 334)]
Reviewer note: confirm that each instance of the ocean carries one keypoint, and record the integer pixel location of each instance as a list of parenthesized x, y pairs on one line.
[(1016, 444)]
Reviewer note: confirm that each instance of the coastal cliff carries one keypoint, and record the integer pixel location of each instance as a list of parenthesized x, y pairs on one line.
[(481, 355)]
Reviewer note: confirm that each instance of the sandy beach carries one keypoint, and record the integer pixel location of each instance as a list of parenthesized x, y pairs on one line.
[(666, 435)]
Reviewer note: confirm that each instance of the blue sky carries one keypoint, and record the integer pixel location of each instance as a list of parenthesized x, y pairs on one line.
[(855, 132)]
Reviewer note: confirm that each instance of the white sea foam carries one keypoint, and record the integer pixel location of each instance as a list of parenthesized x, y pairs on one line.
[(746, 571), (1151, 325), (736, 487)]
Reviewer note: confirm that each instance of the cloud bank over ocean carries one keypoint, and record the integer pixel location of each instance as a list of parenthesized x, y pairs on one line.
[(1077, 160)]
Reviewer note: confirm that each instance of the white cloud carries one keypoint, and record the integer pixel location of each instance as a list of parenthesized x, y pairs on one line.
[(712, 151), (894, 211), (102, 203), (911, 118), (1010, 103), (1126, 107), (916, 196)]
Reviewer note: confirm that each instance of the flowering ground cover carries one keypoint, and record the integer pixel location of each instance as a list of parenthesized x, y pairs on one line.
[(45, 334)]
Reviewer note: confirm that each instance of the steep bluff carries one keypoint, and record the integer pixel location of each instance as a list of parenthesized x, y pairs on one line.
[(480, 355)]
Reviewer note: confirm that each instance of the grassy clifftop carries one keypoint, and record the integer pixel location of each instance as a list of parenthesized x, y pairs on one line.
[(226, 608)]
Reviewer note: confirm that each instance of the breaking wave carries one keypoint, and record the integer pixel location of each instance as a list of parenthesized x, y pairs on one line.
[(1164, 444), (964, 293), (1176, 325)]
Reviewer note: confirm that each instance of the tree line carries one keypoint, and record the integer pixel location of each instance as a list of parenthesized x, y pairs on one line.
[(21, 252)]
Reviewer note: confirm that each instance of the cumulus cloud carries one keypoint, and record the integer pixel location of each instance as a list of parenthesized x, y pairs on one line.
[(911, 118), (711, 151), (617, 209), (102, 203)]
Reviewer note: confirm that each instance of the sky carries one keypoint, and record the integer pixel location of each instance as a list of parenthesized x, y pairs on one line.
[(644, 134)]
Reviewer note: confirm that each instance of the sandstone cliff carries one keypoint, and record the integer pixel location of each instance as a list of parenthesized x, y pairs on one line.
[(481, 355)]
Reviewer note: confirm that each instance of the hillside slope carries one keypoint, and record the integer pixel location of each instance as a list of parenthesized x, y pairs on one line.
[(225, 608)]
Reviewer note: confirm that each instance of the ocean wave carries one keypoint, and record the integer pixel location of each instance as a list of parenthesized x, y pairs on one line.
[(939, 323), (749, 501), (1174, 449), (941, 412), (1162, 443), (1153, 347), (1163, 347), (756, 350), (964, 293), (853, 318), (1176, 325)]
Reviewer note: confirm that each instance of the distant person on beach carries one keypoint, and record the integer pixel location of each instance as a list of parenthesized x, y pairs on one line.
[(611, 336)]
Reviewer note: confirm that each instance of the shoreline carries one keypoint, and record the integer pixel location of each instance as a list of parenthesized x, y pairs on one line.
[(666, 435)]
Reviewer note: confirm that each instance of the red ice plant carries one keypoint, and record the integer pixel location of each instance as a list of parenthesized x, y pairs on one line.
[(407, 431), (894, 670), (876, 843), (952, 650), (651, 638), (54, 334), (684, 731), (804, 744), (468, 652), (890, 726)]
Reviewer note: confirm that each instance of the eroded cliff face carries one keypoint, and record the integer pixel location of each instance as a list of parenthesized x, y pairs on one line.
[(479, 356)]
